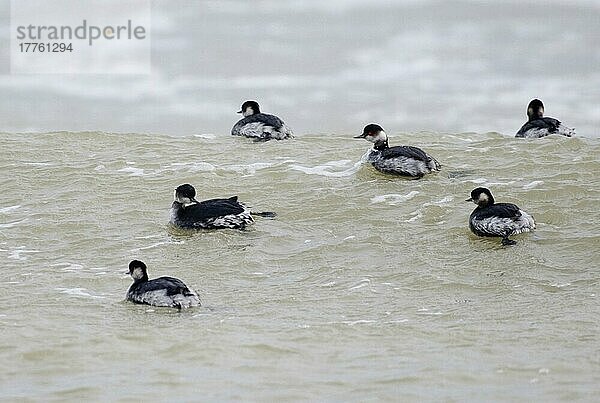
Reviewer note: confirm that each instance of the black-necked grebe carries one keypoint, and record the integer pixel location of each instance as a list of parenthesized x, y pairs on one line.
[(187, 212), (540, 126), (399, 160), (497, 219), (162, 291), (260, 126)]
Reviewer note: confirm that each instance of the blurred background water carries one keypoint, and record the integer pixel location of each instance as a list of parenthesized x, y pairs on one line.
[(331, 67), (365, 287)]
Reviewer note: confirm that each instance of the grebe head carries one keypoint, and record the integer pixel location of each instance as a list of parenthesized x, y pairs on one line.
[(249, 108), (185, 194), (137, 270), (482, 197), (374, 134), (535, 109)]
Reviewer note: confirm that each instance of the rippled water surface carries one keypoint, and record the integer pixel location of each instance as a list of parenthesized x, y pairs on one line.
[(365, 286)]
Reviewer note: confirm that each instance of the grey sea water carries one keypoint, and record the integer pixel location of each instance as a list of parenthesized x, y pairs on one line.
[(365, 287)]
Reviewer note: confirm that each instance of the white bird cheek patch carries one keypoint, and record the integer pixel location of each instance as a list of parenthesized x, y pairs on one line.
[(138, 273), (381, 136)]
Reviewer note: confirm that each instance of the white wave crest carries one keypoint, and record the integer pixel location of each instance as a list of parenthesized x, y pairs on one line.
[(393, 199)]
